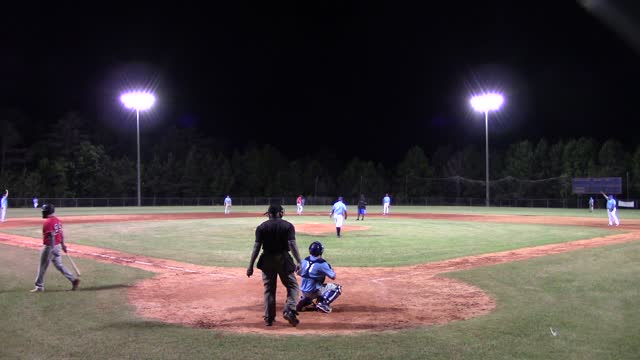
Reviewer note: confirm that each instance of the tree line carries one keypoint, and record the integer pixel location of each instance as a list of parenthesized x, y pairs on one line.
[(74, 160)]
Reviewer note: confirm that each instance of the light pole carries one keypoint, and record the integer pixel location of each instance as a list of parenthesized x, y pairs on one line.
[(138, 100), (485, 103)]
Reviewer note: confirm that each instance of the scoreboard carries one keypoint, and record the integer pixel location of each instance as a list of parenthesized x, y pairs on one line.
[(608, 185)]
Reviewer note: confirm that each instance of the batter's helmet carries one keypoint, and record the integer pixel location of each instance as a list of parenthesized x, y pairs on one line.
[(316, 248), (48, 209)]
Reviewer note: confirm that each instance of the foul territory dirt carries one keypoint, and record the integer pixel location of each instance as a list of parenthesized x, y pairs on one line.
[(374, 299)]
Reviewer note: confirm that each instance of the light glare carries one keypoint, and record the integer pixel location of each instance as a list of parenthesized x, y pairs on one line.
[(486, 102), (138, 100)]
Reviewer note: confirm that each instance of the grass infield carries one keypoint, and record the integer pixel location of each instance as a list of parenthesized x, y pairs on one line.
[(589, 297)]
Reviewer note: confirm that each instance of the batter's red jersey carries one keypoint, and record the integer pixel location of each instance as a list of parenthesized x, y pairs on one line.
[(52, 225)]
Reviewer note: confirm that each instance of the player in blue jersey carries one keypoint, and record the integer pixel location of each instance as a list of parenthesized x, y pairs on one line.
[(386, 201), (612, 207), (362, 207), (339, 214), (316, 294), (4, 203)]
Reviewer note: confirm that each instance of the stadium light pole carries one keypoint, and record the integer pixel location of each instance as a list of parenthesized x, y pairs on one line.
[(139, 101), (485, 103)]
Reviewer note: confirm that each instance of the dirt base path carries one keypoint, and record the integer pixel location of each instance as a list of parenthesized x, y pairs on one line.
[(374, 299)]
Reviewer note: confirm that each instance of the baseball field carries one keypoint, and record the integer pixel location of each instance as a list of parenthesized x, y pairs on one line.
[(421, 283)]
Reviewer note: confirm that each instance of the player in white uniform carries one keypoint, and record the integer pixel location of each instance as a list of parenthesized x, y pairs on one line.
[(339, 214), (227, 204), (386, 201), (299, 206), (612, 208)]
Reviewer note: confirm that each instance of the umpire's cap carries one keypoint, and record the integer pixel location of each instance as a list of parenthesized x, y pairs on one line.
[(274, 209)]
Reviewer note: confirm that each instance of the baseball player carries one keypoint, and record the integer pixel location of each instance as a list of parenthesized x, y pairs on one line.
[(35, 202), (612, 208), (4, 203), (277, 237), (316, 294), (52, 243), (362, 207), (339, 214), (299, 205), (386, 201), (227, 204), (591, 203)]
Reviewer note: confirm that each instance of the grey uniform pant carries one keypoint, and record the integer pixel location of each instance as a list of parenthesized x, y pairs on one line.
[(270, 281), (51, 254)]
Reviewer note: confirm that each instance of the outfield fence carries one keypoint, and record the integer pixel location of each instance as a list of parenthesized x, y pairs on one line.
[(574, 202)]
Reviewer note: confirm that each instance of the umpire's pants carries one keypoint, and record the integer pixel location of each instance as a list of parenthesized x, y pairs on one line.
[(270, 281)]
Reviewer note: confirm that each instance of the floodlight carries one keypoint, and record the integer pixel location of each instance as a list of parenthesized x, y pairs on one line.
[(139, 101), (485, 103)]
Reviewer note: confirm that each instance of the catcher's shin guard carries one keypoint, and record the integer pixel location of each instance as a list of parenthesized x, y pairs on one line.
[(331, 292)]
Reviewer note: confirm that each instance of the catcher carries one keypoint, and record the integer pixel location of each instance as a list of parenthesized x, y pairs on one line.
[(316, 294)]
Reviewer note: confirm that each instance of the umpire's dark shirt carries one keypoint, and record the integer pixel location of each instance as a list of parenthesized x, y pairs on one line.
[(274, 235)]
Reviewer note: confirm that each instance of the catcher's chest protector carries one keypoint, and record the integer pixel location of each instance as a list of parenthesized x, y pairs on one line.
[(305, 272)]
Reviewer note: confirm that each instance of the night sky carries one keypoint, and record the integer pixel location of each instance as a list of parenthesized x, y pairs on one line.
[(366, 79)]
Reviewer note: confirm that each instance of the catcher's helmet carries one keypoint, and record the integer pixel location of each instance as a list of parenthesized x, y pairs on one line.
[(316, 248), (48, 209)]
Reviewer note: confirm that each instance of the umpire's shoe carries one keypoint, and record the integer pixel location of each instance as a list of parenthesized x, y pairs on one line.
[(290, 316)]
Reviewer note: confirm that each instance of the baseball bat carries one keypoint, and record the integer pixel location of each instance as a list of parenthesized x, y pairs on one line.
[(73, 264)]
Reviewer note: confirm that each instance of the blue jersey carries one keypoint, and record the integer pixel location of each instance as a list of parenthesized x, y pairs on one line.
[(611, 204), (313, 271), (339, 208), (386, 200), (227, 201), (4, 201)]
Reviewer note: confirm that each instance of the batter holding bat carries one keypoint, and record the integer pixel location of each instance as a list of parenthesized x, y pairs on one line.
[(53, 242)]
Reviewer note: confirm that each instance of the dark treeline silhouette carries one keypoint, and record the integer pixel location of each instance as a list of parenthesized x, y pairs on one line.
[(77, 159)]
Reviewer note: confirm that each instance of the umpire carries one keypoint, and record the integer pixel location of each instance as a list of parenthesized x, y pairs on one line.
[(277, 237)]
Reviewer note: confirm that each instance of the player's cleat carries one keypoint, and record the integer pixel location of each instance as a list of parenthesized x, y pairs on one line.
[(75, 284), (290, 316), (325, 308), (37, 289), (268, 322)]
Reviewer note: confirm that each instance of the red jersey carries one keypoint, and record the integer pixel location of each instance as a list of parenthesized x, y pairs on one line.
[(299, 200), (52, 225)]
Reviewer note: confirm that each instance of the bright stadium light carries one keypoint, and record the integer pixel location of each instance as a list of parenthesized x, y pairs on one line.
[(139, 101), (485, 103)]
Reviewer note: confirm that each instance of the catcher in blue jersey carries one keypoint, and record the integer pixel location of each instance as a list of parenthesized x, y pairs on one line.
[(316, 294)]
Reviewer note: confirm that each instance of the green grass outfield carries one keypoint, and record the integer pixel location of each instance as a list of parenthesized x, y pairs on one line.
[(290, 210), (589, 297)]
